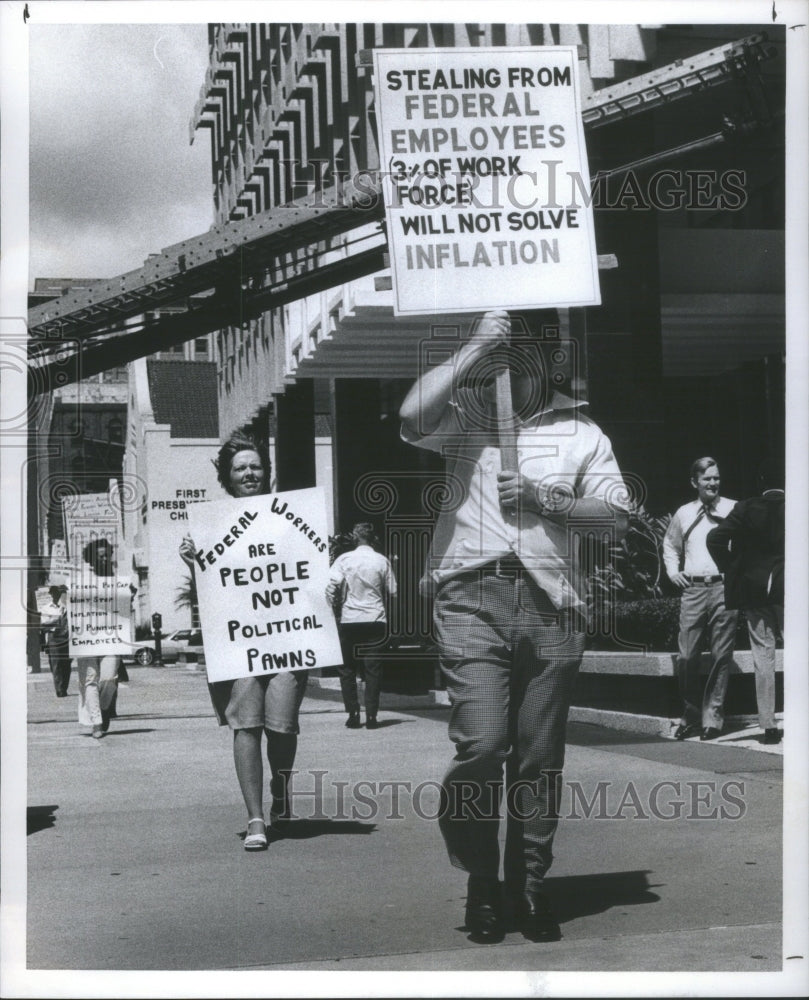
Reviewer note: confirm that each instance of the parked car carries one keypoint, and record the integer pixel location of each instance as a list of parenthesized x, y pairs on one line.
[(179, 641)]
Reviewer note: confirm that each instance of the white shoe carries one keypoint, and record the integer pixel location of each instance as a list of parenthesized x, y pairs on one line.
[(257, 840)]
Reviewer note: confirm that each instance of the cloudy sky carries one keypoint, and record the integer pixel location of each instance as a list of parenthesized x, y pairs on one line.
[(113, 176)]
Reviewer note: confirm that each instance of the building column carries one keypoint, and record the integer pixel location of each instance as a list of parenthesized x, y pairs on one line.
[(356, 446), (295, 437), (623, 334)]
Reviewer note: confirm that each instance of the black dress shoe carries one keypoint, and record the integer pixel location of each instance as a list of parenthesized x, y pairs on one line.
[(710, 733), (483, 917), (535, 918), (771, 736), (353, 720), (684, 730), (371, 723)]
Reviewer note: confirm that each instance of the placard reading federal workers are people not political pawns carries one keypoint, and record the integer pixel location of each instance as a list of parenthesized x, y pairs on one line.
[(262, 565), (485, 179)]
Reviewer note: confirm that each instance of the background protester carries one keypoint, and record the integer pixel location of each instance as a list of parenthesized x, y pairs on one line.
[(98, 675), (250, 705), (507, 616), (360, 582), (54, 619), (702, 604), (748, 546)]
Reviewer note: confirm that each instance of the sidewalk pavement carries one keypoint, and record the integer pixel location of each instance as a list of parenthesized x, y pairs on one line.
[(668, 855)]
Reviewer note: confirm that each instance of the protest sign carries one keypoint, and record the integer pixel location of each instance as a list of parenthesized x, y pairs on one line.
[(60, 566), (58, 549), (99, 613), (99, 600), (261, 571), (89, 517), (42, 596), (485, 179)]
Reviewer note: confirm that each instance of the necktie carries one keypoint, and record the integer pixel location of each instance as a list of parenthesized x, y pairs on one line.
[(708, 512), (704, 511)]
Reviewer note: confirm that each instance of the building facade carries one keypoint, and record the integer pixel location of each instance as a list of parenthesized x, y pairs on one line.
[(152, 428), (172, 438)]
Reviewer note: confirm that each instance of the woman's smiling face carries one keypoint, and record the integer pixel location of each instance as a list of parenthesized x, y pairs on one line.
[(247, 474)]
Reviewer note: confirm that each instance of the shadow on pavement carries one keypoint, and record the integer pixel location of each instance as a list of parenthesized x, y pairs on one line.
[(589, 734), (575, 896), (305, 829), (40, 818), (125, 732), (750, 734)]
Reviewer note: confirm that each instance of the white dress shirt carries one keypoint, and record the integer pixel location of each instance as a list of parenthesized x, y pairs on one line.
[(363, 577), (697, 561), (559, 448)]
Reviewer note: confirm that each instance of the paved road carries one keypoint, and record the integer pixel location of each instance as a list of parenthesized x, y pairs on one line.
[(135, 858)]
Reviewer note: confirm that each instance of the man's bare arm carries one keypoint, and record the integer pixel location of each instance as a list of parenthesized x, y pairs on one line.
[(424, 405), (518, 492)]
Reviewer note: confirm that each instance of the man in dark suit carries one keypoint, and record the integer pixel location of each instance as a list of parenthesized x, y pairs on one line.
[(748, 546)]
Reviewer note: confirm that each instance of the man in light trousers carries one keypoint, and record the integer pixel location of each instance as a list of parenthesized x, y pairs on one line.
[(507, 611)]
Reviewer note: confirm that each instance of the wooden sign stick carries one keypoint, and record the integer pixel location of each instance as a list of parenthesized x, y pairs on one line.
[(506, 423), (506, 429)]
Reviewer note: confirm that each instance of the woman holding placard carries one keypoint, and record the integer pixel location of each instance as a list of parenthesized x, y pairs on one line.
[(98, 675), (252, 704)]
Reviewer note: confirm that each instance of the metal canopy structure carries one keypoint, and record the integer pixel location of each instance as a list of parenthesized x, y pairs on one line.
[(726, 63), (237, 271)]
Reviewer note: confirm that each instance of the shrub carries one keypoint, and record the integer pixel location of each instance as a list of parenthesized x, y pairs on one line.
[(629, 599), (633, 568), (650, 622)]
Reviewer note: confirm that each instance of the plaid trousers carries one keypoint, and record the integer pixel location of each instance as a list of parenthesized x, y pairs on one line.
[(510, 660)]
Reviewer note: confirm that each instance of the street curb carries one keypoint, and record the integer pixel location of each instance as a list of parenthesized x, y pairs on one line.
[(324, 695), (645, 725)]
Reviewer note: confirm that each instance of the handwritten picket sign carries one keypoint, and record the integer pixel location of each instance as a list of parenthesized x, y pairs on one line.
[(99, 613), (262, 566), (485, 178), (96, 573)]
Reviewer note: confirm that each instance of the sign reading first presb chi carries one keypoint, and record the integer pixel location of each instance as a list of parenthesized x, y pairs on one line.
[(485, 179)]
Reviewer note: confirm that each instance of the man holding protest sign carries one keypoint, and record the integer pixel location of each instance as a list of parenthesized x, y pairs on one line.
[(508, 616)]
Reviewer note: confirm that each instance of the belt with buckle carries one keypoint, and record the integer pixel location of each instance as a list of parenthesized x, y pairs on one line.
[(508, 567), (705, 579)]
